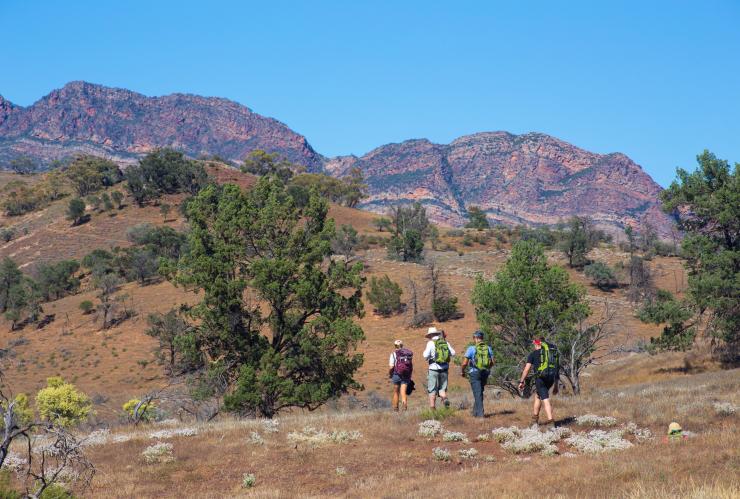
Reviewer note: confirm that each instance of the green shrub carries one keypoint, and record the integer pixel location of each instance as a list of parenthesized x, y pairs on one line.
[(601, 275), (385, 295), (439, 414), (62, 403), (86, 306), (444, 308)]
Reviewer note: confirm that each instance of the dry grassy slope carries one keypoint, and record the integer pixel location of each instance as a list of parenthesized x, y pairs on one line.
[(392, 460), (110, 363)]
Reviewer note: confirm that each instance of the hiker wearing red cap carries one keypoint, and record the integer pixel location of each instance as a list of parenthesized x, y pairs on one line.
[(544, 362)]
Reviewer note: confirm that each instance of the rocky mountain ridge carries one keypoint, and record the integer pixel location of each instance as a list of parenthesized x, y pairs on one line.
[(531, 178)]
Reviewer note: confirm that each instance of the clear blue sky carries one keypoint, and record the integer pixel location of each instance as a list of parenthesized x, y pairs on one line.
[(657, 80)]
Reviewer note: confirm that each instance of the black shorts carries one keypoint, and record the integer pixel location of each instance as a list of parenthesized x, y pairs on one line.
[(542, 385)]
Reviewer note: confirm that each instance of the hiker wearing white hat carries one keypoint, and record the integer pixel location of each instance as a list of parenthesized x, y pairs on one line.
[(438, 353)]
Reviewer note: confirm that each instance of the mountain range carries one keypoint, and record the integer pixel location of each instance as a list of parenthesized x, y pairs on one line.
[(531, 178)]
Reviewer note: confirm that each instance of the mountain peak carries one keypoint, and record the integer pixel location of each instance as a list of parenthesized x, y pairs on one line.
[(121, 124)]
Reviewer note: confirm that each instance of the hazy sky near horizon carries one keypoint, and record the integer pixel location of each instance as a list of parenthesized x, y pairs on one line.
[(658, 80)]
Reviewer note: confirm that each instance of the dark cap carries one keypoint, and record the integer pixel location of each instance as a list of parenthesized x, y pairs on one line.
[(478, 334)]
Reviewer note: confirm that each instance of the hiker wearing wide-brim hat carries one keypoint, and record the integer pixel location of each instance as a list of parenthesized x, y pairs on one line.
[(438, 354)]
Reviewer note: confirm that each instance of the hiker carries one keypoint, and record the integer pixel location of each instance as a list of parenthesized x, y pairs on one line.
[(544, 362), (478, 360), (401, 367), (438, 353)]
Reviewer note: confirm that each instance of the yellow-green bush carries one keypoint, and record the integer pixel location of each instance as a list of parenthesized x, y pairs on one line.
[(62, 403), (23, 413), (147, 415)]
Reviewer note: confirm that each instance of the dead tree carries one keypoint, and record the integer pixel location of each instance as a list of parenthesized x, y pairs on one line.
[(582, 347), (52, 455)]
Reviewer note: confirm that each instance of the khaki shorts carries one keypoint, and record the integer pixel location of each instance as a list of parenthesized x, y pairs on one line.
[(437, 381)]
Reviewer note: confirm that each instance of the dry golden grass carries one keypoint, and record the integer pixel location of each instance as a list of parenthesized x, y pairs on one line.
[(391, 460)]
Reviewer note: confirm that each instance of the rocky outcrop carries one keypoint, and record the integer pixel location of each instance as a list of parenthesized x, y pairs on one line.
[(120, 124), (531, 178)]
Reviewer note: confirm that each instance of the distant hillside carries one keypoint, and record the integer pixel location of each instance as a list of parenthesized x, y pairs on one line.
[(530, 179), (120, 124)]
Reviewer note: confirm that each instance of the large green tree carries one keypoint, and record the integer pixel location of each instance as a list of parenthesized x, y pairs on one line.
[(527, 299), (276, 320), (707, 206)]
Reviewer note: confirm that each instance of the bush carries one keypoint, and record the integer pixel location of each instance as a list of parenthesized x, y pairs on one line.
[(455, 233), (421, 319), (57, 280), (23, 413), (164, 171), (444, 308), (248, 480), (161, 452), (89, 174), (601, 275), (61, 403), (147, 413), (76, 211), (478, 219), (385, 295), (438, 414), (86, 307), (7, 234)]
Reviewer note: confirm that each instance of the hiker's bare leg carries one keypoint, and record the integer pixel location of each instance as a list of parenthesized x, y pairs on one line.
[(537, 403), (432, 399), (443, 396), (548, 409), (395, 396), (404, 397)]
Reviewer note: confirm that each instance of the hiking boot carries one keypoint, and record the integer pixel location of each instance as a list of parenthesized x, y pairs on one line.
[(535, 420), (447, 403), (550, 424), (395, 409)]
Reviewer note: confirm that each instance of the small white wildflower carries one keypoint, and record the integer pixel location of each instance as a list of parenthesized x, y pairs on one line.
[(532, 440), (248, 480), (14, 462), (489, 459), (270, 425), (343, 436), (483, 437), (454, 436), (121, 437), (174, 432), (725, 408), (161, 452), (341, 471), (441, 454), (640, 434), (430, 428), (568, 454), (97, 437), (468, 453), (256, 439), (502, 435), (597, 441), (594, 420)]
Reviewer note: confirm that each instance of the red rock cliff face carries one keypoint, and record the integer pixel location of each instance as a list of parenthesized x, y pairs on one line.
[(531, 179), (82, 117)]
